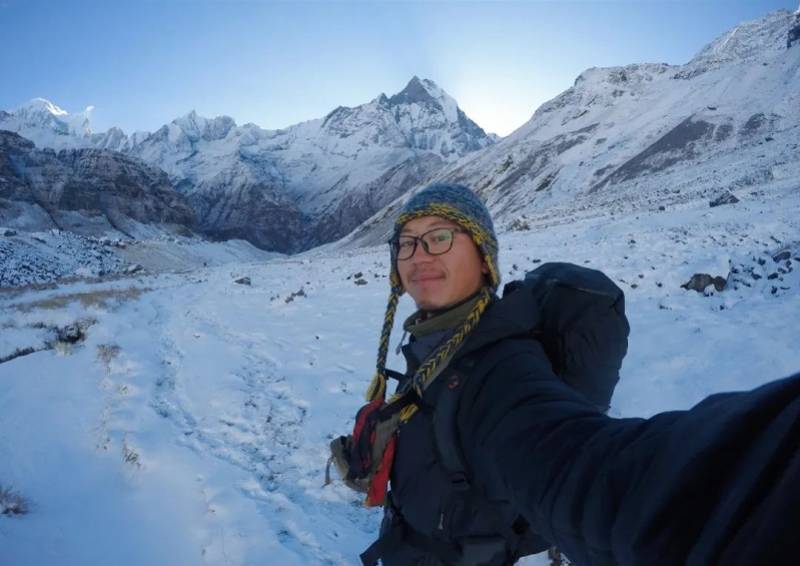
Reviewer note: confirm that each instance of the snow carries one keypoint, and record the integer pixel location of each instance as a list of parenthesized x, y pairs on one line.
[(48, 125), (584, 149), (316, 162), (448, 103), (191, 425), (41, 104), (39, 258)]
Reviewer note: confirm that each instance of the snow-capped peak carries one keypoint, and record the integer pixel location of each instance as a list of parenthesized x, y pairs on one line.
[(48, 125), (752, 38), (40, 111), (197, 127), (41, 105), (425, 91)]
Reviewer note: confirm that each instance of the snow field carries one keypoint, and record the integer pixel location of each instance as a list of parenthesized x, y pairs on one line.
[(191, 425)]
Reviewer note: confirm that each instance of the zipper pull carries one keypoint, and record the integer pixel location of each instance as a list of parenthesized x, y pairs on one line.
[(441, 521)]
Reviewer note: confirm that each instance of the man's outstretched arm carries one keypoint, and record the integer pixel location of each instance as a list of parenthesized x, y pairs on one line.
[(717, 484)]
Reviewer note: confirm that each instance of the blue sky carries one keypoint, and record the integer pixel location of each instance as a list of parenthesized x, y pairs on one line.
[(143, 63)]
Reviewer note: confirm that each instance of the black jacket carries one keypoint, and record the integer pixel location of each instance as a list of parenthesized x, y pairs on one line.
[(718, 484)]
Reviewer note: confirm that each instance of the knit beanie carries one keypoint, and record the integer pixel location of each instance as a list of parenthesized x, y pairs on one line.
[(460, 205)]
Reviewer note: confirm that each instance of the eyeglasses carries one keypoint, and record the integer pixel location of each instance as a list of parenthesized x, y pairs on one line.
[(435, 242)]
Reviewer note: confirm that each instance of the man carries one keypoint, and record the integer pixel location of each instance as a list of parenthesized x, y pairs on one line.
[(718, 484)]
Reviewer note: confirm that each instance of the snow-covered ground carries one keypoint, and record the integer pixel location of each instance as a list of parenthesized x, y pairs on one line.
[(190, 421), (42, 258)]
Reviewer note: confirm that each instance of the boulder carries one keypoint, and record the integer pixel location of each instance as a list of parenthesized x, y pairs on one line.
[(725, 198), (699, 282), (782, 256)]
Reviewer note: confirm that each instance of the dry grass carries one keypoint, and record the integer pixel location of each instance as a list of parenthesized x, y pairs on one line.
[(100, 298), (107, 353), (130, 455)]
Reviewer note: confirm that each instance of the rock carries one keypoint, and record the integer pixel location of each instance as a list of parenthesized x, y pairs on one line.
[(794, 32), (94, 186), (135, 268), (108, 242), (70, 334), (7, 232), (519, 225), (782, 256), (360, 282), (700, 281), (300, 293), (725, 198), (242, 281)]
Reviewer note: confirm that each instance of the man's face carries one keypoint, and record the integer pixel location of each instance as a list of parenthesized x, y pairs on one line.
[(439, 281)]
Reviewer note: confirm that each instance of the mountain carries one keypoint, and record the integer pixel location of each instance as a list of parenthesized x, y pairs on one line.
[(291, 189), (213, 402), (87, 191), (648, 135), (47, 125)]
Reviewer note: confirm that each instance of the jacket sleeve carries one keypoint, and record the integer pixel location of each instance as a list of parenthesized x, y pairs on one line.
[(717, 484)]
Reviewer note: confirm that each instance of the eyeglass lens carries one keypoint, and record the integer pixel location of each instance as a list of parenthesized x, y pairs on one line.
[(435, 242)]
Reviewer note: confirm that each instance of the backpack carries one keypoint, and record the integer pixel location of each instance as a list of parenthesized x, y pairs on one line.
[(584, 332), (582, 328)]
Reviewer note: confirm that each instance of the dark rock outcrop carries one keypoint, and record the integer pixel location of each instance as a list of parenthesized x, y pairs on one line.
[(794, 31), (349, 212), (86, 190), (700, 281), (726, 198), (676, 146)]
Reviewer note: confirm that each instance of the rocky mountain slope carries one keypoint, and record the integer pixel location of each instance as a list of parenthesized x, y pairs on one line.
[(86, 191), (292, 188), (648, 136)]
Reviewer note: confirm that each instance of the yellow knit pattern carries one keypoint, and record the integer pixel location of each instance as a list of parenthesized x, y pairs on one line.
[(427, 371), (377, 387), (424, 373)]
